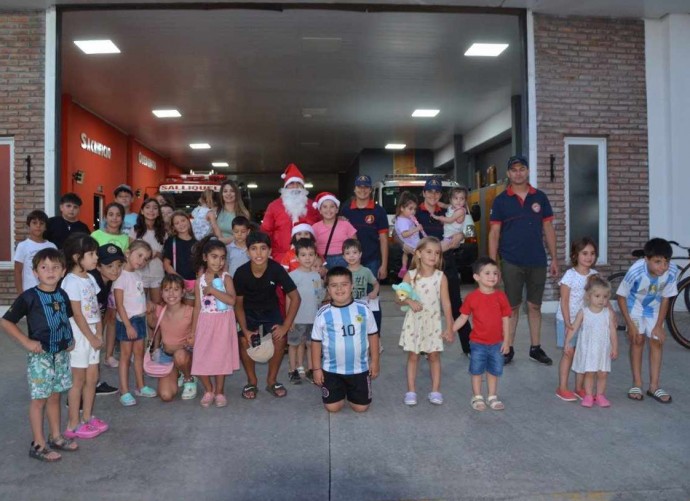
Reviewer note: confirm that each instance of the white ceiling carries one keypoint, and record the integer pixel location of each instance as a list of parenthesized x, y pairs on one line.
[(245, 79)]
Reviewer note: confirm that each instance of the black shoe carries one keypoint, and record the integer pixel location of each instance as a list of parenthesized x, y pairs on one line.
[(294, 377), (310, 376), (507, 358), (105, 389), (536, 354)]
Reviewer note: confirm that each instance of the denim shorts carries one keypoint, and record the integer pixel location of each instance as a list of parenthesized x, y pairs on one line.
[(265, 319), (560, 335), (300, 333), (139, 324), (486, 358)]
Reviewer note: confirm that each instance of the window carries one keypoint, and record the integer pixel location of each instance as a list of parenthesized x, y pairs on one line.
[(7, 202), (586, 199)]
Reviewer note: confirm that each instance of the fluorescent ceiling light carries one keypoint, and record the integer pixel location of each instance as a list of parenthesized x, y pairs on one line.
[(425, 113), (486, 49), (395, 146), (220, 164), (97, 46), (309, 185), (252, 186), (200, 146), (167, 113)]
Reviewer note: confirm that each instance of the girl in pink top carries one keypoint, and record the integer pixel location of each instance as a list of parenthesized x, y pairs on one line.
[(176, 336), (327, 204), (216, 347)]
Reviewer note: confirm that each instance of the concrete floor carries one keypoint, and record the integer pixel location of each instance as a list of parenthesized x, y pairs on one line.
[(538, 448)]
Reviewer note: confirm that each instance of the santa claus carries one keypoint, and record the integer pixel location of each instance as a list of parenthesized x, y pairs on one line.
[(291, 208)]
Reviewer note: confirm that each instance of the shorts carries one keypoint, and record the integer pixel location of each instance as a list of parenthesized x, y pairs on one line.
[(139, 324), (355, 387), (83, 353), (151, 281), (189, 289), (333, 260), (111, 301), (560, 335), (486, 358), (300, 333), (516, 277), (645, 326), (265, 319), (48, 373)]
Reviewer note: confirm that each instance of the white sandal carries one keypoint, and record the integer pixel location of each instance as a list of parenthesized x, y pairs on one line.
[(478, 403), (494, 403)]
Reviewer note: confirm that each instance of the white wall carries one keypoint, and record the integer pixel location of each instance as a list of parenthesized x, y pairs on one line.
[(667, 44), (488, 129)]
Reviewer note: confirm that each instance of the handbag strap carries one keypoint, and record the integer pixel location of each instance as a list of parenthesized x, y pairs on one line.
[(330, 236), (175, 253), (156, 330)]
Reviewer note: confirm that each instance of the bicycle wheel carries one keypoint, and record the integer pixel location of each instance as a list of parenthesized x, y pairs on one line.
[(678, 318), (615, 280)]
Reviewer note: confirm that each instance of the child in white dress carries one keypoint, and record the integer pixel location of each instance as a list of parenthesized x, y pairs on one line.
[(597, 342)]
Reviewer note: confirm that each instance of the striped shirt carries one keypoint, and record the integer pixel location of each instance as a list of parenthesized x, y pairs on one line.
[(343, 332), (644, 292)]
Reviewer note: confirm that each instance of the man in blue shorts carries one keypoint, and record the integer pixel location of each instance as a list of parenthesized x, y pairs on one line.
[(521, 219)]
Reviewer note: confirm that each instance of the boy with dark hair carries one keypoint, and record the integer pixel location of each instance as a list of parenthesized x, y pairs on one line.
[(490, 336), (362, 277), (643, 298), (47, 310), (343, 328), (256, 284), (237, 249), (24, 277), (60, 227), (124, 196), (310, 288)]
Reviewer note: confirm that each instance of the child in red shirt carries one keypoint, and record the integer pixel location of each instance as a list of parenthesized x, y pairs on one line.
[(489, 339)]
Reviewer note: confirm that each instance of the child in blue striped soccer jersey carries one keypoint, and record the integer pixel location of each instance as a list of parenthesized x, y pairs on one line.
[(343, 338)]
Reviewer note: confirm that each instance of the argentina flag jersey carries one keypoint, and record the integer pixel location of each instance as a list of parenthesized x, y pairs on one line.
[(643, 292), (343, 333)]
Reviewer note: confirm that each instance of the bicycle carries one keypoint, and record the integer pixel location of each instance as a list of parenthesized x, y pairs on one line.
[(678, 316)]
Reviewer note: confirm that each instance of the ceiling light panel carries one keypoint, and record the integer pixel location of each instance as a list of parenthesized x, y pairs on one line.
[(200, 146), (395, 146), (97, 46), (167, 113), (486, 49), (220, 164), (425, 113)]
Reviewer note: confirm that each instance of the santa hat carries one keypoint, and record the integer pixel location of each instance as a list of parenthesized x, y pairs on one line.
[(291, 175), (302, 227), (322, 197)]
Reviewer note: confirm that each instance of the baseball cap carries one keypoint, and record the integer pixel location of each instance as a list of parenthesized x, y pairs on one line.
[(363, 180), (517, 159), (108, 253), (123, 187), (433, 184)]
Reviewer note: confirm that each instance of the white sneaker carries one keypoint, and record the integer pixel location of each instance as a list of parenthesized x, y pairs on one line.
[(301, 371), (112, 362), (180, 380), (189, 390)]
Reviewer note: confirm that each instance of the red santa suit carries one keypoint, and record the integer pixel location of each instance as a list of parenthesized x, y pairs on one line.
[(278, 224)]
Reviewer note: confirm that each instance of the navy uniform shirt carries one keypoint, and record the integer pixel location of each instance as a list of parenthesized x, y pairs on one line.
[(370, 222), (522, 226)]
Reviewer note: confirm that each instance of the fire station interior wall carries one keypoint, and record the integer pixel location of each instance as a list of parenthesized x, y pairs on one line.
[(147, 171), (667, 44), (101, 175)]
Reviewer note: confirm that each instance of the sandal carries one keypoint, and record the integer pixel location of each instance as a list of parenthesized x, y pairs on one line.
[(249, 391), (63, 444), (435, 398), (659, 395), (495, 404), (275, 389), (43, 453), (635, 393), (478, 403), (410, 398)]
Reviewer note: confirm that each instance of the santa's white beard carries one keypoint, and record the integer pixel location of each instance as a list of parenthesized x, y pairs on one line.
[(295, 202)]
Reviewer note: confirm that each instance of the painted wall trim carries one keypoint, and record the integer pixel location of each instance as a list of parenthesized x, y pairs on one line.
[(50, 163), (9, 265), (531, 99), (493, 126)]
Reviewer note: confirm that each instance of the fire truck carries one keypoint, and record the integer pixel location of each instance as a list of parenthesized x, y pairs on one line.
[(186, 188)]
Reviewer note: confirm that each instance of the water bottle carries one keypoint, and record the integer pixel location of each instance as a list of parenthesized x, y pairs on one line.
[(218, 284)]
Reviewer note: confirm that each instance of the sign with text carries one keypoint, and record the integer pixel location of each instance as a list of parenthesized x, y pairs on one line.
[(180, 188), (95, 147)]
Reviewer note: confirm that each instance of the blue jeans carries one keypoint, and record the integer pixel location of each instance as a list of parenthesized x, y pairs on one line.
[(334, 260), (374, 266), (486, 358)]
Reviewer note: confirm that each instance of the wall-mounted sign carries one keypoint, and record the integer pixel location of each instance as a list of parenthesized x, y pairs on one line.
[(180, 188), (95, 147), (146, 161)]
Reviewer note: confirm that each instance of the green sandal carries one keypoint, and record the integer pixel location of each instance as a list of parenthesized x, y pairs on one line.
[(63, 444), (43, 453)]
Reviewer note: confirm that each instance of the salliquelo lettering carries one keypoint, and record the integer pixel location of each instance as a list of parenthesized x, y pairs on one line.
[(95, 147), (146, 161)]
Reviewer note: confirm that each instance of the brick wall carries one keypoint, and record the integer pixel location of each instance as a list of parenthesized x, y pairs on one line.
[(22, 56), (590, 81)]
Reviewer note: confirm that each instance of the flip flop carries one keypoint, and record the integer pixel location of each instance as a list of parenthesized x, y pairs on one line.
[(274, 388), (635, 390), (658, 394), (249, 389)]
